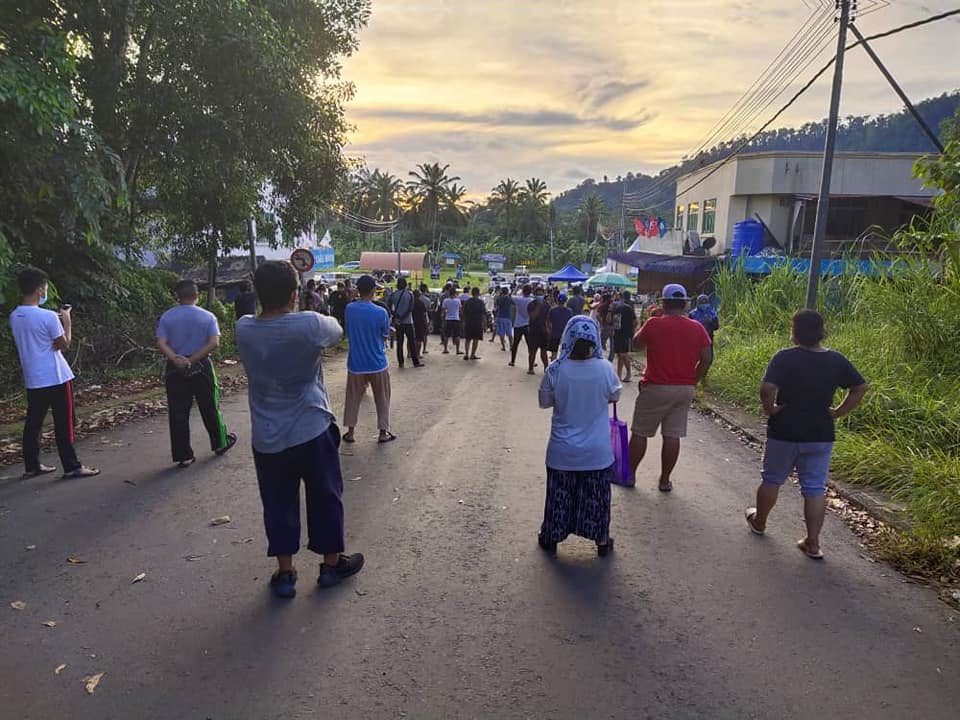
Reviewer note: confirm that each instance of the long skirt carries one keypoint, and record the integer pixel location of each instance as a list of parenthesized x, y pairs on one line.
[(578, 503)]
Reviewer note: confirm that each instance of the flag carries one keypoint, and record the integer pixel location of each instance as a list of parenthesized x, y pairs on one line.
[(653, 228), (326, 241), (640, 227), (662, 226)]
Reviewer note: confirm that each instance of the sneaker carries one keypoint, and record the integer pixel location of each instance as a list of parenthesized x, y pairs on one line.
[(346, 566), (284, 584), (231, 441)]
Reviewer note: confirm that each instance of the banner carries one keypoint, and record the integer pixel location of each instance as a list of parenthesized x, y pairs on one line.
[(323, 257), (493, 258), (640, 227)]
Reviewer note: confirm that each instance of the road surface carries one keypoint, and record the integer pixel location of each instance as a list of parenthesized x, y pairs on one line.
[(458, 614)]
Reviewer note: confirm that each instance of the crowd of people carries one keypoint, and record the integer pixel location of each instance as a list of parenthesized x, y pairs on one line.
[(585, 350)]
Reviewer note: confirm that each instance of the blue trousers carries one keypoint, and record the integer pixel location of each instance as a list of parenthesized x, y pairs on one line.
[(317, 464)]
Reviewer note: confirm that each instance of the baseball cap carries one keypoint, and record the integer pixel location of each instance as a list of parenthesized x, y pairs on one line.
[(562, 297), (365, 284), (674, 291)]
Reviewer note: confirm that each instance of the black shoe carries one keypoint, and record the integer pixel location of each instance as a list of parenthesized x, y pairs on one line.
[(231, 441), (550, 547), (346, 566), (418, 365), (605, 549), (284, 584)]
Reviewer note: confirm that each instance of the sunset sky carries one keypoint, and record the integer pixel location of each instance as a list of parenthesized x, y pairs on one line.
[(570, 89)]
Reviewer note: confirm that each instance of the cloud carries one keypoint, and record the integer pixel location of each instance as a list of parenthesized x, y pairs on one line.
[(597, 94), (545, 118)]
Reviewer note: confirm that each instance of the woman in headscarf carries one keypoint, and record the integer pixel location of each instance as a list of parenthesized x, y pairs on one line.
[(579, 386)]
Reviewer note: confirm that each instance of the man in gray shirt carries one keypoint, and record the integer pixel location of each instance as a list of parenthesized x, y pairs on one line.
[(294, 433), (401, 310), (186, 335)]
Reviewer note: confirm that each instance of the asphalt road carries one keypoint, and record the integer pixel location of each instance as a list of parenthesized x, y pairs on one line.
[(457, 614)]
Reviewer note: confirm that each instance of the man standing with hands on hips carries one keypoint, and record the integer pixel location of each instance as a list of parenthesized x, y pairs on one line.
[(186, 335), (678, 357), (41, 336)]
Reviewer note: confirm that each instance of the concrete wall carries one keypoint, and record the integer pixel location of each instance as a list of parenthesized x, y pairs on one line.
[(765, 183)]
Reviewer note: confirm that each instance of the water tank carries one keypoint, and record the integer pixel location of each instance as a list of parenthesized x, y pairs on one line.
[(747, 238)]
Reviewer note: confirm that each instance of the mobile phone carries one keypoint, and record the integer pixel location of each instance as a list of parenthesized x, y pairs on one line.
[(66, 306)]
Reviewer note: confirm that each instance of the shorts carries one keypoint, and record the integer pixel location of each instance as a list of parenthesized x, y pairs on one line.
[(662, 406), (505, 327), (554, 345), (473, 330), (622, 345), (537, 340), (451, 328), (810, 459)]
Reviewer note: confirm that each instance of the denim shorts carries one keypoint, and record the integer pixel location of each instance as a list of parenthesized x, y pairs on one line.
[(505, 327), (810, 459)]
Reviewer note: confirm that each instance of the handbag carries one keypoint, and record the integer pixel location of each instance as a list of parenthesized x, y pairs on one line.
[(621, 451)]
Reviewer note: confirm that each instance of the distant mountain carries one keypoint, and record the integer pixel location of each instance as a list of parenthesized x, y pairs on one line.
[(897, 132)]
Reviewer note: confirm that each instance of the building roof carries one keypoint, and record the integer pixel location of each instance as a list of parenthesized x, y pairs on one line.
[(410, 261)]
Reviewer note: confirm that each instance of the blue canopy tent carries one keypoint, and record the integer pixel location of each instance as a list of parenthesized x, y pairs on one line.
[(569, 274)]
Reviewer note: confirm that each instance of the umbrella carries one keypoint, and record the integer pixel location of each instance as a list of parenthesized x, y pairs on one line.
[(611, 280)]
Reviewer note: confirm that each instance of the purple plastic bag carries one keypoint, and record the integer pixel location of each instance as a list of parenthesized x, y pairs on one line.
[(621, 452)]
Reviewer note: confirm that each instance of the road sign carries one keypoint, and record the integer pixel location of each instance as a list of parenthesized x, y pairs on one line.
[(302, 260), (434, 272)]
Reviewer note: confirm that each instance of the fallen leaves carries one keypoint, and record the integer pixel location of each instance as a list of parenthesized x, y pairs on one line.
[(18, 605), (138, 578), (91, 681), (31, 547), (76, 561), (49, 623), (222, 520), (59, 668)]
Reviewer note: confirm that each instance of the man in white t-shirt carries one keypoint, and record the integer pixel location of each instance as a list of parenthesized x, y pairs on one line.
[(451, 309), (41, 338)]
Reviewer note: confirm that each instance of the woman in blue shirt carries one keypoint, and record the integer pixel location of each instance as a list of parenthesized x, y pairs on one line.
[(579, 386)]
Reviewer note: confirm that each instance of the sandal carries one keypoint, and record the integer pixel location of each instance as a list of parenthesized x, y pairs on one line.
[(387, 437), (802, 544), (186, 463), (349, 438), (43, 470), (81, 472), (665, 487), (750, 513)]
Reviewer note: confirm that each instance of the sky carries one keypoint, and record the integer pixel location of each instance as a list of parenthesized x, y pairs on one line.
[(564, 90)]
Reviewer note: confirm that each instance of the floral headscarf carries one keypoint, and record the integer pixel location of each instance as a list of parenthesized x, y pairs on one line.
[(579, 327)]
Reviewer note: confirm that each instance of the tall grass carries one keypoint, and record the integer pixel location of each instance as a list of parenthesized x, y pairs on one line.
[(902, 331)]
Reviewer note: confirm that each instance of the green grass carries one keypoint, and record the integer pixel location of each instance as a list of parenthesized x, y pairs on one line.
[(902, 333)]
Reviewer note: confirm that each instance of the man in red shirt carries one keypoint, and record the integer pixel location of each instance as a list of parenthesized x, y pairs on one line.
[(678, 357)]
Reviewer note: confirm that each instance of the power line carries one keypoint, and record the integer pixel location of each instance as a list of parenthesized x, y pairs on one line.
[(810, 82)]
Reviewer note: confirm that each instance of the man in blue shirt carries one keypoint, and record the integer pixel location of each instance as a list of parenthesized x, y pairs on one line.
[(186, 335), (294, 433), (368, 327)]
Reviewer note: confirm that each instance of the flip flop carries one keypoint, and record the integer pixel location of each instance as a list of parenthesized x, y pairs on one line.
[(186, 463), (802, 545), (349, 438), (750, 513), (81, 472), (44, 470), (665, 487), (389, 437)]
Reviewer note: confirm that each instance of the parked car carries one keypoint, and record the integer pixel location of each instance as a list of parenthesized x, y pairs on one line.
[(351, 266), (538, 280)]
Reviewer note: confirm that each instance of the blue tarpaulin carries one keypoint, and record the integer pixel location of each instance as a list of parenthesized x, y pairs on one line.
[(761, 265), (568, 273)]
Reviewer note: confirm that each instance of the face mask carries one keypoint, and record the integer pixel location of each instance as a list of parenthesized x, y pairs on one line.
[(705, 308), (44, 298)]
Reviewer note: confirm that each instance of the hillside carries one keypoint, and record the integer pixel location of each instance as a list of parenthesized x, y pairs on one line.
[(897, 132)]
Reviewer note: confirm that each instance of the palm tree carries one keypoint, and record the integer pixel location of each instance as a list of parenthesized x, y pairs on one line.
[(383, 194), (504, 198), (533, 208), (455, 209), (426, 192), (591, 209)]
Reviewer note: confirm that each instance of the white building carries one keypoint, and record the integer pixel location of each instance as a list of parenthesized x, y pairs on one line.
[(871, 195)]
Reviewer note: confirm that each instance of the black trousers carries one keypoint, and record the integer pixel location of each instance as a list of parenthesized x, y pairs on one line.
[(519, 333), (59, 398), (181, 392), (413, 349)]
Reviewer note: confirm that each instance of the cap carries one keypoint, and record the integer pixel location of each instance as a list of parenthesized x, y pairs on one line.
[(673, 291), (703, 299), (562, 297), (365, 283)]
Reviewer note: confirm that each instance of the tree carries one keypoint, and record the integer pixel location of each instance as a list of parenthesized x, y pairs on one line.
[(591, 210), (504, 198), (427, 193), (383, 195), (533, 209)]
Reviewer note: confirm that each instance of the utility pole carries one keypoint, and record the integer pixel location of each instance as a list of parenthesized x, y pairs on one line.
[(823, 199), (252, 239), (621, 243)]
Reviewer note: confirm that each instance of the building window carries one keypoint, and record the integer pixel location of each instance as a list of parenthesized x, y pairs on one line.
[(693, 217), (680, 211), (709, 216)]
